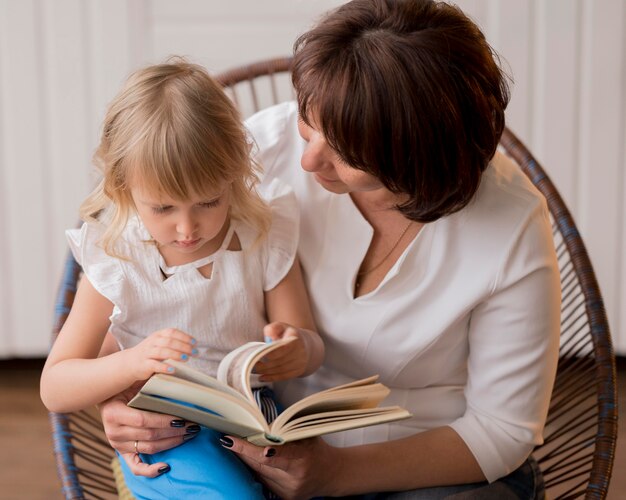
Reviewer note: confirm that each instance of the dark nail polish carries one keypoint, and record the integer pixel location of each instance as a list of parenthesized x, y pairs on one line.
[(193, 429), (177, 423), (187, 437), (270, 452), (165, 468), (226, 442)]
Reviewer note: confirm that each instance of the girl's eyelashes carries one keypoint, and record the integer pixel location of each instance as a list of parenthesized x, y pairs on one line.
[(161, 209), (210, 204)]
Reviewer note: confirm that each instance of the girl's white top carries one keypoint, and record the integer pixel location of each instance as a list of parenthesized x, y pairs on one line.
[(221, 312), (464, 329)]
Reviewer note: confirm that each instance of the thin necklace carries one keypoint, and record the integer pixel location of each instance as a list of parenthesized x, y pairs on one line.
[(360, 274)]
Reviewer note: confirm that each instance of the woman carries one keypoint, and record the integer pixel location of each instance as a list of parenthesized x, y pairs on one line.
[(428, 260)]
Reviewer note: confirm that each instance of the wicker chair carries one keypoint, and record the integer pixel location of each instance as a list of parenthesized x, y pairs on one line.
[(577, 455)]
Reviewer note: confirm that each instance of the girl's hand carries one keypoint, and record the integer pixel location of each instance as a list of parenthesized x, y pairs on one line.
[(146, 357), (288, 361), (293, 470)]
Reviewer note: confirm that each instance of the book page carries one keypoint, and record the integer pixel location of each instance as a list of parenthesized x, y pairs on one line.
[(185, 372), (349, 397), (330, 417), (233, 408), (337, 423), (236, 368), (196, 414)]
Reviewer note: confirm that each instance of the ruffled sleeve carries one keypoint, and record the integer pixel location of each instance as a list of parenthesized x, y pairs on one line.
[(269, 131), (281, 244), (103, 271)]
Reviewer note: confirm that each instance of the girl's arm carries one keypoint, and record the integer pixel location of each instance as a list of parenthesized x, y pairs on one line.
[(288, 310), (74, 377)]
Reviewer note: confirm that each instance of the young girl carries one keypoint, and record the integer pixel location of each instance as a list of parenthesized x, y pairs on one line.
[(182, 259)]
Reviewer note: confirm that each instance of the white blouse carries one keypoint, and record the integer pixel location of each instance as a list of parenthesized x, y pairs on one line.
[(464, 329), (222, 312)]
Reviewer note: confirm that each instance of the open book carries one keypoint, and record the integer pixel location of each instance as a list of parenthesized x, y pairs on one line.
[(226, 403)]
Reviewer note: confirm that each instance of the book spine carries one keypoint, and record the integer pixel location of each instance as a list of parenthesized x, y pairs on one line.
[(264, 439)]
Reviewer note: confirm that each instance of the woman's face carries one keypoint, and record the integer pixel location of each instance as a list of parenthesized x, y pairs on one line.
[(328, 169)]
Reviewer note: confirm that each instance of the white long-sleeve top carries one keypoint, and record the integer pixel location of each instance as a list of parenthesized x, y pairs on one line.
[(464, 329)]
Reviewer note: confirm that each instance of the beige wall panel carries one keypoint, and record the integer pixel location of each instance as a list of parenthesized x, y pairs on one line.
[(62, 61), (25, 195)]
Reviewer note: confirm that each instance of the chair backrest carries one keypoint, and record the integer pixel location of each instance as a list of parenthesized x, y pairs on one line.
[(579, 440), (82, 453), (577, 455)]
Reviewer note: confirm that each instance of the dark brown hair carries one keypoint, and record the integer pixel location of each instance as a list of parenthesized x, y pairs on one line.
[(406, 90)]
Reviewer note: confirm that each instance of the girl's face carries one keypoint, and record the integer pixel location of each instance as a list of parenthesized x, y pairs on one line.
[(188, 230), (328, 169)]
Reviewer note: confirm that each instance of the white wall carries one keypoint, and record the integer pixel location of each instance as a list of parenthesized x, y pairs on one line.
[(62, 60)]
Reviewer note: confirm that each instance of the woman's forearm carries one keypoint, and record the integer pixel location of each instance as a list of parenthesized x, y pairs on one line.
[(75, 384), (432, 458)]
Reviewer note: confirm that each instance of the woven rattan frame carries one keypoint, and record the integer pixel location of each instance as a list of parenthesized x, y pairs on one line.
[(82, 452), (579, 440), (577, 455)]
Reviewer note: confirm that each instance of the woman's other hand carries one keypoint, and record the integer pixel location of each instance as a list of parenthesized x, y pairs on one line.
[(302, 469)]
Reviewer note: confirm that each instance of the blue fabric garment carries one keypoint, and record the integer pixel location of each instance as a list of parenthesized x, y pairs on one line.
[(200, 469)]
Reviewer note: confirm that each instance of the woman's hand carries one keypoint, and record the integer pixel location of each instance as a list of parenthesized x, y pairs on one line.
[(303, 469), (288, 361), (153, 432), (146, 357)]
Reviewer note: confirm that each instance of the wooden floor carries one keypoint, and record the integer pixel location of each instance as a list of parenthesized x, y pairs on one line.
[(27, 469)]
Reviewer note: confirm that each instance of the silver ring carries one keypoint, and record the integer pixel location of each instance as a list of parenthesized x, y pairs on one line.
[(136, 452)]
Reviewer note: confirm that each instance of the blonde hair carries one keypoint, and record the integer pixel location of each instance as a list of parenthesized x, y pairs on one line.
[(174, 131)]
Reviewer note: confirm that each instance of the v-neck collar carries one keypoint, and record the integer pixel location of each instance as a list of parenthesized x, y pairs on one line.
[(356, 234)]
